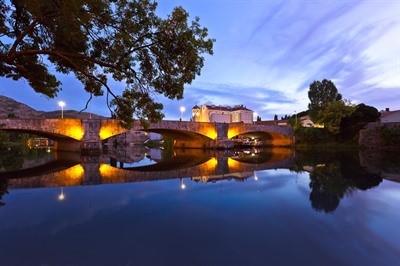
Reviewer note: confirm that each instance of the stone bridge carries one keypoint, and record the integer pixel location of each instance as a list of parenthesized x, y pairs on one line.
[(87, 134)]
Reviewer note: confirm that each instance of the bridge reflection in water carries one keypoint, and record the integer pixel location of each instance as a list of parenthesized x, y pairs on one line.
[(74, 170)]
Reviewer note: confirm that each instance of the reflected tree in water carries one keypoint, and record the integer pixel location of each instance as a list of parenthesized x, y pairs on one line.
[(3, 190), (334, 176), (327, 187)]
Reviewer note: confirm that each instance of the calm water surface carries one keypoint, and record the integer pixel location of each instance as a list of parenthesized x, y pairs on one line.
[(265, 208)]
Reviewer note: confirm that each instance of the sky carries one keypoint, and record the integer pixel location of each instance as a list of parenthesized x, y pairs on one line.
[(268, 52)]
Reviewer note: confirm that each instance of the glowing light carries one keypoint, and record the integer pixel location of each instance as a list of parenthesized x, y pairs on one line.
[(255, 176), (232, 132), (75, 132), (211, 133), (61, 104), (183, 186), (110, 129), (75, 172), (182, 109), (233, 164), (61, 196)]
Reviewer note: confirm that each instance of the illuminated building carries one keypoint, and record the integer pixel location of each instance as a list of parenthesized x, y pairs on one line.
[(222, 114)]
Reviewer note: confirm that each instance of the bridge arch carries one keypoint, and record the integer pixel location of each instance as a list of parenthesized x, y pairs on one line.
[(57, 128), (271, 135)]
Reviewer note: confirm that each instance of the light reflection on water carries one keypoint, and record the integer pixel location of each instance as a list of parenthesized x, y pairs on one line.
[(280, 211)]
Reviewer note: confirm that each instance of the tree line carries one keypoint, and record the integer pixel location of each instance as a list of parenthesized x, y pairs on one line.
[(341, 119)]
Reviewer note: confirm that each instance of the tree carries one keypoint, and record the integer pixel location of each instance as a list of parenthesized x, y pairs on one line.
[(275, 117), (333, 113), (351, 125), (99, 40), (320, 94), (258, 118)]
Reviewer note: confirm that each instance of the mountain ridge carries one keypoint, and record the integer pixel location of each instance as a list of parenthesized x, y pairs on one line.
[(12, 108)]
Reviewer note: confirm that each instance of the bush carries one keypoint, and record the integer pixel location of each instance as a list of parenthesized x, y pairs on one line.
[(391, 135), (312, 135)]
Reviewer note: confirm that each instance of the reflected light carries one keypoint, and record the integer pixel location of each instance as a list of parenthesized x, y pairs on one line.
[(75, 172), (209, 166), (233, 164), (109, 172), (183, 186), (255, 176), (61, 196)]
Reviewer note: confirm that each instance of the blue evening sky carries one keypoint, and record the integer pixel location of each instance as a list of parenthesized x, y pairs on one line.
[(266, 54)]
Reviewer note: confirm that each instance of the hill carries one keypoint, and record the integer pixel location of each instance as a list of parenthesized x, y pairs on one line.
[(10, 107)]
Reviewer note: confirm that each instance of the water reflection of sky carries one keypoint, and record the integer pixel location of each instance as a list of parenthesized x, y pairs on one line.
[(264, 222)]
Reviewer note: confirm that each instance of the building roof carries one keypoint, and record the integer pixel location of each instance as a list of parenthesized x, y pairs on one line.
[(388, 113), (227, 108)]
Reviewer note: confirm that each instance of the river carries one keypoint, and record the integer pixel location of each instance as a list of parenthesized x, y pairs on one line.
[(139, 206)]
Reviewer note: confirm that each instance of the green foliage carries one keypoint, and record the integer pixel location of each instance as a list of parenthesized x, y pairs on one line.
[(312, 135), (391, 135), (333, 113), (99, 39), (320, 94)]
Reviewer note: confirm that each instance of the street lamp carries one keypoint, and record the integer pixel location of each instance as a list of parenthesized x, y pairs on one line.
[(182, 110), (62, 104), (295, 117)]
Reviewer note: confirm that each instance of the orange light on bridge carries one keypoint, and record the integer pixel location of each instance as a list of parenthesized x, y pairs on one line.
[(75, 132), (232, 132), (211, 133), (109, 130)]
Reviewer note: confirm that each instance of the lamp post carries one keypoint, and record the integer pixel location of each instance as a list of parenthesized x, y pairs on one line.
[(295, 117), (62, 104), (182, 110)]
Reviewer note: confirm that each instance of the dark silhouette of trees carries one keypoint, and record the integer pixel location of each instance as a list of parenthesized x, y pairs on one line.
[(362, 115)]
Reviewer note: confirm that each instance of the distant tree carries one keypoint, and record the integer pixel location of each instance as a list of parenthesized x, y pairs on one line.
[(320, 94), (98, 40), (276, 117), (258, 118)]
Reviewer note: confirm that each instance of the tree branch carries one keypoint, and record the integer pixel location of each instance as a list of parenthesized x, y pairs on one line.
[(22, 36)]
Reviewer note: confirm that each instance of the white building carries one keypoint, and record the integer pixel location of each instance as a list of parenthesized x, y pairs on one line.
[(388, 116), (222, 114)]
